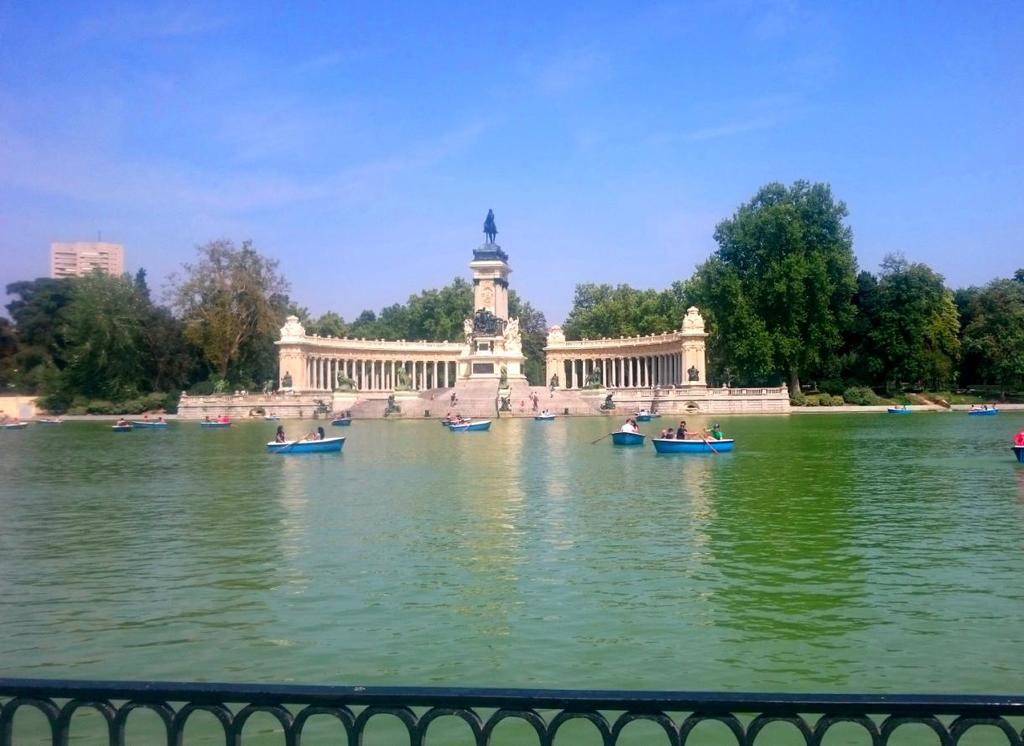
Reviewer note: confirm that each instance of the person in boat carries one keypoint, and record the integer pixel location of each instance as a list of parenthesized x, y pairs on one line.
[(1019, 440), (206, 418), (668, 434), (121, 422), (629, 426), (160, 419), (681, 430), (320, 435), (279, 436), (715, 432)]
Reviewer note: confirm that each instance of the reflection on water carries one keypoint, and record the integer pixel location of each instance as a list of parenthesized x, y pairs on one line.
[(835, 552)]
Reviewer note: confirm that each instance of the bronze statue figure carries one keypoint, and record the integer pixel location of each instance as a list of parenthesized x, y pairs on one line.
[(490, 229), (693, 373)]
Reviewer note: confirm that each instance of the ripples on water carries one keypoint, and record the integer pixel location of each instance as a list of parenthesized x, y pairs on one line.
[(827, 553)]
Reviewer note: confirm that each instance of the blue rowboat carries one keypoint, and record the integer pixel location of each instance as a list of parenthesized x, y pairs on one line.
[(628, 439), (147, 425), (898, 410), (270, 418), (988, 412), (342, 422), (327, 445), (667, 445), (1018, 451), (544, 417), (467, 427), (121, 428), (215, 424), (15, 426)]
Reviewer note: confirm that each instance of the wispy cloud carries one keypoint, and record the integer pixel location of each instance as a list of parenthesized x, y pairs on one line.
[(569, 69), (328, 60), (170, 20), (728, 129), (64, 170)]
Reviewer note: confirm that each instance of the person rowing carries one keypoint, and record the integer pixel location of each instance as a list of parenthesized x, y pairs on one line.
[(629, 426), (279, 436)]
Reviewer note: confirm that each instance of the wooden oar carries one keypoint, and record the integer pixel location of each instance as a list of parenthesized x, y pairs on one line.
[(292, 445), (708, 443), (601, 438)]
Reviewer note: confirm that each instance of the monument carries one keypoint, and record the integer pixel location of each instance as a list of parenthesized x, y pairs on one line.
[(483, 370), (494, 341)]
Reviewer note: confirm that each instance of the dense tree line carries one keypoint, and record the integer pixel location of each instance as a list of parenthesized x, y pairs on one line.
[(782, 297), (100, 343), (784, 301)]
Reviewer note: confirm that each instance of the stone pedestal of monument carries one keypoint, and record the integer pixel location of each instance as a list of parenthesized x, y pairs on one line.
[(342, 401)]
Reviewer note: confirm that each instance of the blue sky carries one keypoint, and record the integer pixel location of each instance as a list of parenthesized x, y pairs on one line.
[(362, 144)]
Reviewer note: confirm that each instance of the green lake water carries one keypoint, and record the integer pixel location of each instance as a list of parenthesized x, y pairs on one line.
[(841, 553)]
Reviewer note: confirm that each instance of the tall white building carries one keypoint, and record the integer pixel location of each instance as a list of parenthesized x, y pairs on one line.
[(82, 257)]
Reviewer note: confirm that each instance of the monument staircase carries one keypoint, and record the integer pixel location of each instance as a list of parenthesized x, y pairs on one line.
[(479, 399), (473, 399), (559, 401)]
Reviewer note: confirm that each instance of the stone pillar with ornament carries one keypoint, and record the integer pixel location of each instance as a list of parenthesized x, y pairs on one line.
[(694, 364)]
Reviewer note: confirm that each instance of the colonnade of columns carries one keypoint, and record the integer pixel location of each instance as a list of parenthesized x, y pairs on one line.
[(644, 371), (374, 374)]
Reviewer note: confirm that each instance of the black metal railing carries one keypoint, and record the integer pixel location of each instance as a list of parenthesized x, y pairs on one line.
[(544, 711)]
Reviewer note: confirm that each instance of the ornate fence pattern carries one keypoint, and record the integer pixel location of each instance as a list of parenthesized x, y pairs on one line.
[(676, 714)]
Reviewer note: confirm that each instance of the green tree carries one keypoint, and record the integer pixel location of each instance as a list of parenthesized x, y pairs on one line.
[(785, 262), (170, 363), (860, 363), (915, 329), (8, 355), (534, 330), (227, 302), (430, 315), (994, 336), (103, 329), (140, 283), (36, 312), (329, 324), (365, 326), (622, 311), (739, 344)]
